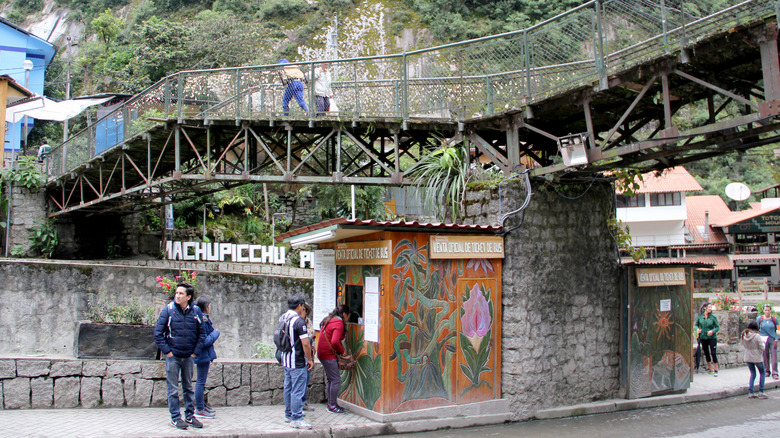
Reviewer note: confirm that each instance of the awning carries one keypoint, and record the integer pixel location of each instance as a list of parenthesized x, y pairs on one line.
[(42, 108), (767, 257)]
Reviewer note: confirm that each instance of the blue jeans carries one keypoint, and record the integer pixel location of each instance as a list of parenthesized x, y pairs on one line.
[(200, 385), (753, 366), (294, 388), (174, 366), (306, 387), (294, 89)]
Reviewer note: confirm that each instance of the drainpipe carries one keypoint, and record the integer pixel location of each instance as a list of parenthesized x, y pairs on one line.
[(503, 217)]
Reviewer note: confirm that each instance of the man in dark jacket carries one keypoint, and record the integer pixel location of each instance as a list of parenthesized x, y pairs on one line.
[(180, 334)]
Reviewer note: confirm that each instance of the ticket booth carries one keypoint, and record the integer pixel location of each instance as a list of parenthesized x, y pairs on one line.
[(657, 329), (426, 311)]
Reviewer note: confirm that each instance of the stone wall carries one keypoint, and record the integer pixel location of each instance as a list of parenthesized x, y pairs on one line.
[(42, 383), (41, 301), (26, 208), (561, 318)]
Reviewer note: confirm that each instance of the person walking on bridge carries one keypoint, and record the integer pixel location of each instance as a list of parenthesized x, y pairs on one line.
[(322, 91), (294, 79)]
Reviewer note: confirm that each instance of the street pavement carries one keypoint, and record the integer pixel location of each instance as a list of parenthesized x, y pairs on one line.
[(268, 421)]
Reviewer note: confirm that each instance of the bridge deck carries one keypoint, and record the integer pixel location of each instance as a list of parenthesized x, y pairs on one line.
[(616, 71)]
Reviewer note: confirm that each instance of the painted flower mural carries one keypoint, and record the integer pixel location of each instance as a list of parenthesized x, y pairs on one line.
[(475, 336), (476, 319)]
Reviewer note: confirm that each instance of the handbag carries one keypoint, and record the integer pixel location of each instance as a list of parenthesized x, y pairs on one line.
[(345, 361)]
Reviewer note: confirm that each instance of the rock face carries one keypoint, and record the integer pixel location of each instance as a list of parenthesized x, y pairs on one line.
[(115, 341)]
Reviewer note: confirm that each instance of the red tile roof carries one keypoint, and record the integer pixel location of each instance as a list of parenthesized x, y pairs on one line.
[(384, 225), (739, 216), (697, 208), (673, 179), (708, 262)]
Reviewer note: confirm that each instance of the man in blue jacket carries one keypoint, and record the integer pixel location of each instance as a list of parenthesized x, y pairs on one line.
[(180, 334)]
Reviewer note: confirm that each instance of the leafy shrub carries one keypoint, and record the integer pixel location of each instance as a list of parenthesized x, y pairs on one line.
[(261, 350), (100, 309), (44, 238)]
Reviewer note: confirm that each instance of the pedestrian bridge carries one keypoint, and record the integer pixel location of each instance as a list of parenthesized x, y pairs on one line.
[(606, 85)]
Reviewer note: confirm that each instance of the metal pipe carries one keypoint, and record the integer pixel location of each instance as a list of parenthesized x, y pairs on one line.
[(503, 218)]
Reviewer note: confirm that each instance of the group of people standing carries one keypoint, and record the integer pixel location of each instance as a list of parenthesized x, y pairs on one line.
[(185, 334), (299, 361), (294, 80), (759, 339)]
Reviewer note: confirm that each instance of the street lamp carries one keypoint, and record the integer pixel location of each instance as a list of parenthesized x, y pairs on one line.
[(27, 65), (273, 227), (214, 209)]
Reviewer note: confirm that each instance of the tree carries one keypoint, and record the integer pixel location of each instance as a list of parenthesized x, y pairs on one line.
[(107, 27)]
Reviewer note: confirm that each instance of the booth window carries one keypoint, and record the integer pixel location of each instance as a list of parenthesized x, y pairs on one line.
[(354, 300)]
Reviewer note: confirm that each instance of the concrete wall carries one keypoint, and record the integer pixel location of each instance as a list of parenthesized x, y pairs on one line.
[(43, 383), (40, 301), (561, 319)]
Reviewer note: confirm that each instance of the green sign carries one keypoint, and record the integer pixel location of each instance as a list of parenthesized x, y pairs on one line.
[(766, 223)]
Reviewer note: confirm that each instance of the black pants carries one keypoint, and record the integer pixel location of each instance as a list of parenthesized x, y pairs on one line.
[(323, 104), (710, 346)]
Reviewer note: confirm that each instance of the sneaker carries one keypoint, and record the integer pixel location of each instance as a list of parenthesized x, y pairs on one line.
[(286, 419), (209, 410), (716, 373), (179, 424), (306, 407), (762, 395), (194, 422), (335, 410), (752, 395), (300, 424), (776, 377), (204, 414)]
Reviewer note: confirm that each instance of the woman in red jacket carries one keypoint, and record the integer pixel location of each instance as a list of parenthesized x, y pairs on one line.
[(332, 332)]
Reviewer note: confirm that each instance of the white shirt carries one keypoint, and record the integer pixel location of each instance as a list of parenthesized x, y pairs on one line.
[(322, 82)]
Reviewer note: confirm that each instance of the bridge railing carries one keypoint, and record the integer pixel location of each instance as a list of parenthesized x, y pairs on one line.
[(453, 82)]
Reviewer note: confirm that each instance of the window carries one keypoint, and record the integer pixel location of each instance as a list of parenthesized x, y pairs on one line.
[(354, 299), (661, 199), (630, 201), (755, 271)]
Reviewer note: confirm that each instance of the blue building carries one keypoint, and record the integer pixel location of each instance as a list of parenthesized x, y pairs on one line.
[(16, 46)]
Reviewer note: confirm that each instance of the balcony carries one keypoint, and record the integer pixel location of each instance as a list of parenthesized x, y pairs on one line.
[(757, 248)]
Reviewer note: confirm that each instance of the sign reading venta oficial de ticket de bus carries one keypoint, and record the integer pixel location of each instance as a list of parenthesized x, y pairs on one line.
[(219, 252), (466, 247)]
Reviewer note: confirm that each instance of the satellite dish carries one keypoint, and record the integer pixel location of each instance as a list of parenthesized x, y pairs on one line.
[(737, 191)]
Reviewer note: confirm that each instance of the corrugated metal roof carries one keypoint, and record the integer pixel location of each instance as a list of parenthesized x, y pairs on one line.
[(673, 179), (697, 208), (345, 223)]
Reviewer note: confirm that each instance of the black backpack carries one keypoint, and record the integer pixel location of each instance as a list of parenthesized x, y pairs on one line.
[(282, 337)]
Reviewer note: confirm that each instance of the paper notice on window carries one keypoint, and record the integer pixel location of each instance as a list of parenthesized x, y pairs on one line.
[(372, 285), (324, 263), (371, 318)]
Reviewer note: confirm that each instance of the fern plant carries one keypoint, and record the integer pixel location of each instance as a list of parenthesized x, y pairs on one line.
[(443, 175)]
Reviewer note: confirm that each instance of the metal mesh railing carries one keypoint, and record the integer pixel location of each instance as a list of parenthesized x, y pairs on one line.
[(452, 82)]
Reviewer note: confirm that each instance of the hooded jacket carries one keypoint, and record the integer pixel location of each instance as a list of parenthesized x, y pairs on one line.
[(208, 354), (754, 346), (180, 331)]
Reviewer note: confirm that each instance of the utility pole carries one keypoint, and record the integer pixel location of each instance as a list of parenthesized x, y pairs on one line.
[(27, 65), (67, 94)]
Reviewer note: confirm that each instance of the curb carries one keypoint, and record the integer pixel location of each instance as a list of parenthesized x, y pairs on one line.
[(609, 406)]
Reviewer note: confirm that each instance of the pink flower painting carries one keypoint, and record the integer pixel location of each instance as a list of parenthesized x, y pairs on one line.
[(476, 319)]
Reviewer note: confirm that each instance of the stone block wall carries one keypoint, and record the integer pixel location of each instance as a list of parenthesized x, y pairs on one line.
[(26, 208), (42, 301), (561, 318), (42, 383)]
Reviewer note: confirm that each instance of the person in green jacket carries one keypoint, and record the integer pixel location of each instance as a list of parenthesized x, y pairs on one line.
[(707, 327)]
